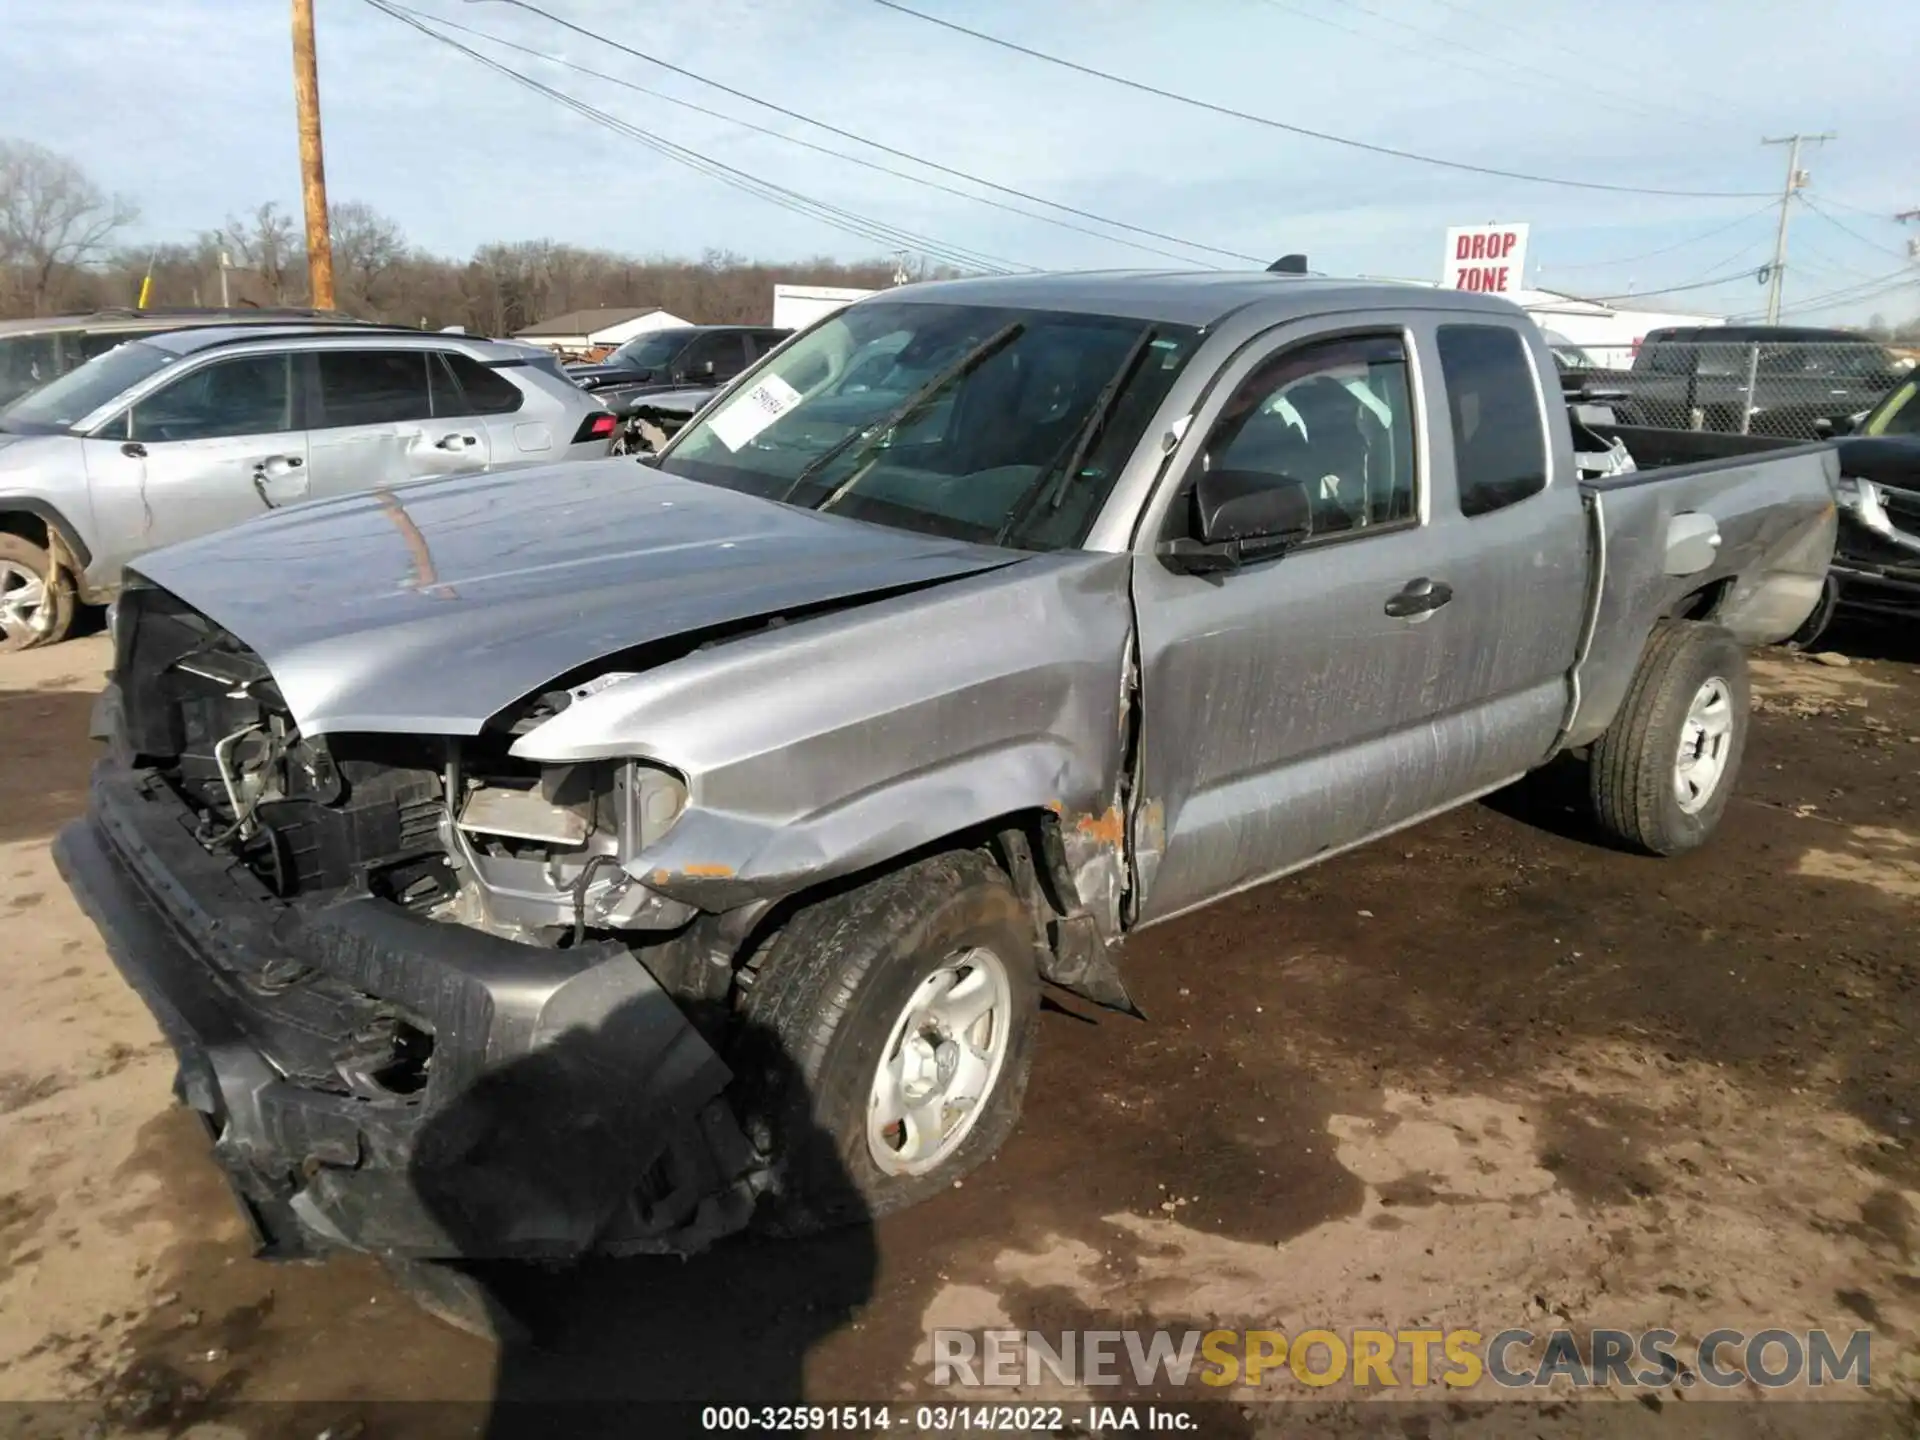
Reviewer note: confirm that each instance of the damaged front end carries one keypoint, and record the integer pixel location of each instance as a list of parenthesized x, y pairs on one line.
[(1877, 562), (389, 966)]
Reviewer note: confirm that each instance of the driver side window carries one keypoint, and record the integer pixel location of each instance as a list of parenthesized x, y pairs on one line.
[(1336, 417), (247, 395)]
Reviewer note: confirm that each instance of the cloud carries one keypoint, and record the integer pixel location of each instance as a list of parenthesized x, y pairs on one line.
[(188, 108)]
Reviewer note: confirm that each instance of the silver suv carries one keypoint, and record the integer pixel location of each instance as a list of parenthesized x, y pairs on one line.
[(174, 435)]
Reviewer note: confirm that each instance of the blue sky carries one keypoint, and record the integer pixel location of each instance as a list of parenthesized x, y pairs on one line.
[(187, 108)]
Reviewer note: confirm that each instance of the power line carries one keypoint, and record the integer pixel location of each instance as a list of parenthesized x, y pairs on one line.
[(1506, 74), (832, 215), (1678, 289), (1848, 231), (1852, 294), (1272, 124), (803, 144), (859, 139), (1669, 249), (1511, 68), (1585, 57)]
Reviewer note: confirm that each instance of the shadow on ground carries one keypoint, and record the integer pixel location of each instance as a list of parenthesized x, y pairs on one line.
[(44, 783)]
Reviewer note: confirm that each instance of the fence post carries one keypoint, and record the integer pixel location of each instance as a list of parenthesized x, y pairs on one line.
[(1746, 396)]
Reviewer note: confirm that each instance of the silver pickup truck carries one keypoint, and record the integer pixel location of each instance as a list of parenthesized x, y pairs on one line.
[(597, 864)]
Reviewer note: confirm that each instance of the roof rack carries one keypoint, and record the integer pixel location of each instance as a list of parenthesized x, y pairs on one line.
[(277, 312), (239, 335)]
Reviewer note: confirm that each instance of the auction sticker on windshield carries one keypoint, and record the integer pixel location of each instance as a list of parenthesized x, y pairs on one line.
[(749, 414)]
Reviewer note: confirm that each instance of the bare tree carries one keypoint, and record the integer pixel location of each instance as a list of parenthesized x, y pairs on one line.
[(53, 218), (267, 244), (368, 250)]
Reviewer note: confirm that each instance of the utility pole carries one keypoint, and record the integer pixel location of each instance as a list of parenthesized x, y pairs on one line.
[(313, 168), (1911, 217), (1796, 177)]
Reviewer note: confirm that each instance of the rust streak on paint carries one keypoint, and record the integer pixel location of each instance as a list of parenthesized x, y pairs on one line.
[(1107, 829)]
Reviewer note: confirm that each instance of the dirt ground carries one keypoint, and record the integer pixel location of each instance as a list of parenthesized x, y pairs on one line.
[(1488, 1073)]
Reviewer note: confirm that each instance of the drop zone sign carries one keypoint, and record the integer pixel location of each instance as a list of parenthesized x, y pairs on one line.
[(1489, 258)]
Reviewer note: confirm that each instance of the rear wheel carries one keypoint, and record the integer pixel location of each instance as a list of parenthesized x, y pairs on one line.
[(1661, 775), (888, 1037), (36, 602)]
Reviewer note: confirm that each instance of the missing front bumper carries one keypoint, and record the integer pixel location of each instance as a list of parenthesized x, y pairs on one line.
[(570, 1104)]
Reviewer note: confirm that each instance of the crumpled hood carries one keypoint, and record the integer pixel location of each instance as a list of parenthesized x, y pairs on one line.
[(431, 607)]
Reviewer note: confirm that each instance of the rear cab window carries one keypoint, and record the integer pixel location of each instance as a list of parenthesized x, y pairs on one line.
[(1493, 404)]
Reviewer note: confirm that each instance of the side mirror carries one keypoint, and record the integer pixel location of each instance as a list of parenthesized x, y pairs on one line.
[(1248, 505), (1241, 515)]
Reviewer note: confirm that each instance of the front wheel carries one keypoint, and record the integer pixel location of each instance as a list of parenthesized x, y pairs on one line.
[(36, 600), (887, 1038), (1661, 775)]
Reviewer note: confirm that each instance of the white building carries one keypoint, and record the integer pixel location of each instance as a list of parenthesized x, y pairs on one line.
[(797, 306), (579, 330)]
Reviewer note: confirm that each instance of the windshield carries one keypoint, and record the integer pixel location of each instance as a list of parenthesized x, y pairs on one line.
[(63, 403), (1899, 413), (650, 352), (979, 423)]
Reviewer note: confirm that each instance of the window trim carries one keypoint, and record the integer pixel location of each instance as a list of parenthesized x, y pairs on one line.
[(164, 380), (1547, 451), (1173, 517), (317, 420), (447, 355)]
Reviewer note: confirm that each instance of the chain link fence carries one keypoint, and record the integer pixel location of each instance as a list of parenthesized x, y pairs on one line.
[(1797, 390)]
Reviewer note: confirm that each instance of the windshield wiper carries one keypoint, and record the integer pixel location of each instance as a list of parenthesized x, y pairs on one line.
[(911, 406), (1083, 441)]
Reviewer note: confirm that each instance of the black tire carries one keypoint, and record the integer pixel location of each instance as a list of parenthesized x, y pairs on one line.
[(821, 1007), (1632, 771), (56, 617)]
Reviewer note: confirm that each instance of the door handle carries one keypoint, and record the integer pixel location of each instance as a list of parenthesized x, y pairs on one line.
[(276, 464), (1418, 597), (456, 442)]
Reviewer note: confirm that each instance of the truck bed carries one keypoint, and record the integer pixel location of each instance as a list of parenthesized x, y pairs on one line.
[(1744, 539)]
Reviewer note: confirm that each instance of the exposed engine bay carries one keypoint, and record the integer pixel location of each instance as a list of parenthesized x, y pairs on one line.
[(450, 828)]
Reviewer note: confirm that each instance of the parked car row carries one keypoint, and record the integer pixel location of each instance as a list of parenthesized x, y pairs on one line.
[(604, 857), (34, 352), (657, 382), (168, 436)]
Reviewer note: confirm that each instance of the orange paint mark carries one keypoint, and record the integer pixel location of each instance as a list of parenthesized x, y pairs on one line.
[(1108, 829), (708, 872)]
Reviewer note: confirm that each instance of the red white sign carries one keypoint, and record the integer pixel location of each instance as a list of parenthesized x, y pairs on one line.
[(1491, 259)]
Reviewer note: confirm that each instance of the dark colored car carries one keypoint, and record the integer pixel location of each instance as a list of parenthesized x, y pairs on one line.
[(687, 356), (1795, 382), (1876, 570), (1876, 563), (32, 352)]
